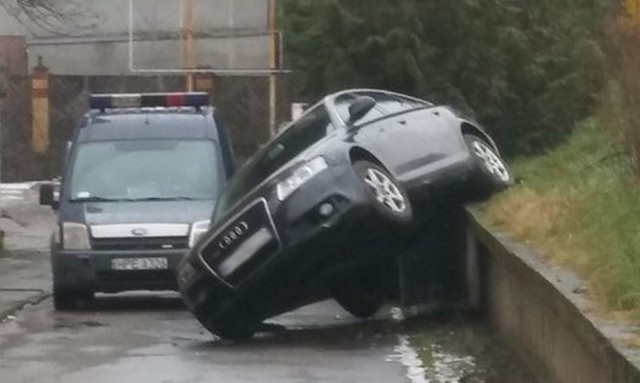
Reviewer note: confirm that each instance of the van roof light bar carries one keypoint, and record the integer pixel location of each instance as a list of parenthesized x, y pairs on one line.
[(148, 100)]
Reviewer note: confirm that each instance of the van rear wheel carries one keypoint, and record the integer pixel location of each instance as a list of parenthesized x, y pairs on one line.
[(67, 300)]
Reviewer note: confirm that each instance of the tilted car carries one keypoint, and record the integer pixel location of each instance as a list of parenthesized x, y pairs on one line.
[(326, 199)]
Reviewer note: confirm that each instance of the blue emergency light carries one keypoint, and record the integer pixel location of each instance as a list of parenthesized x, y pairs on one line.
[(148, 100)]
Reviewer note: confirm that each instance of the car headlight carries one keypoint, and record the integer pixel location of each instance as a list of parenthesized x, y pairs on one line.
[(197, 230), (75, 236), (301, 175)]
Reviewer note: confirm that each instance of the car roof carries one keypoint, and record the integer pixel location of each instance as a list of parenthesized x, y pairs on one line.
[(148, 123), (335, 95)]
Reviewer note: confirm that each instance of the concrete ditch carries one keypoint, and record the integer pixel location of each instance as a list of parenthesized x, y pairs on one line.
[(544, 312)]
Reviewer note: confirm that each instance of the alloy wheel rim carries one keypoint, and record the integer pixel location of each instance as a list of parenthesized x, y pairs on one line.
[(385, 190), (491, 161)]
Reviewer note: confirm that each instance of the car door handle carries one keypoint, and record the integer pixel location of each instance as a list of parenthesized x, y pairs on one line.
[(402, 122)]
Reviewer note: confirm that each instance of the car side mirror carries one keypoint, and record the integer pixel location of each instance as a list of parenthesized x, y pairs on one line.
[(359, 108), (47, 195)]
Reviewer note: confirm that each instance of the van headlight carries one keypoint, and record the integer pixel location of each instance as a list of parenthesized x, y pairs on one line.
[(75, 236), (300, 176), (197, 230)]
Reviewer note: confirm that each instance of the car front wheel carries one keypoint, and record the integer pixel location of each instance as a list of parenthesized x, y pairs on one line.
[(236, 332), (491, 173), (389, 198)]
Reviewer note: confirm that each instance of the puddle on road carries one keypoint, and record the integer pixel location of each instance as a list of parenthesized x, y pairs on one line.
[(457, 351), (72, 325)]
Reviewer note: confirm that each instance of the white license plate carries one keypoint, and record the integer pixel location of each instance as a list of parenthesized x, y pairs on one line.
[(156, 263)]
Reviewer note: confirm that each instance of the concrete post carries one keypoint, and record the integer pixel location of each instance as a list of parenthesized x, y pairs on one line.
[(432, 267), (188, 55), (3, 93), (472, 269), (204, 82), (273, 65), (40, 108)]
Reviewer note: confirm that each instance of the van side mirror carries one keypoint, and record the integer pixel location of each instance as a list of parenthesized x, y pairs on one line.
[(47, 195), (359, 108)]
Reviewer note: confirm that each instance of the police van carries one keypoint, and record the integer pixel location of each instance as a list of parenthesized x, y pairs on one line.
[(138, 187)]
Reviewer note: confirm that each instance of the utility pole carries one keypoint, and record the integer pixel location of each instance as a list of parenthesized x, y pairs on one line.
[(273, 64), (187, 58), (3, 92), (633, 10)]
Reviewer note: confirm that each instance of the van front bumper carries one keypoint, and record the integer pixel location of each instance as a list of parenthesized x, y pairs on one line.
[(93, 271)]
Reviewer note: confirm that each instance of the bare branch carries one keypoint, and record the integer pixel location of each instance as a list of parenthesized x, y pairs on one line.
[(59, 17)]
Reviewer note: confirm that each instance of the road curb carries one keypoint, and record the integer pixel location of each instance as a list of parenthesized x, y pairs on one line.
[(32, 300), (544, 311)]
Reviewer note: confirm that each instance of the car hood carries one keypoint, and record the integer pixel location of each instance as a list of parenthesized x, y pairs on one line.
[(105, 213)]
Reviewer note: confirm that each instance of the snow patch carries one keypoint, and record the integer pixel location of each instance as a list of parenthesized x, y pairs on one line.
[(18, 186), (445, 367), (406, 355)]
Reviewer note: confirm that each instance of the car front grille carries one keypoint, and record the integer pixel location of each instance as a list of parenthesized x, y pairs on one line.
[(239, 248), (148, 243)]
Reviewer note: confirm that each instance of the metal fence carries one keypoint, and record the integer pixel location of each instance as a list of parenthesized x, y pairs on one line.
[(17, 157), (241, 101)]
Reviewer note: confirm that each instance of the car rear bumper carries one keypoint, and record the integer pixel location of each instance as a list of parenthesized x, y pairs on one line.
[(92, 270)]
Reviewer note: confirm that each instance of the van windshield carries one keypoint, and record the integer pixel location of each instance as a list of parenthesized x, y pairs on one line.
[(145, 170)]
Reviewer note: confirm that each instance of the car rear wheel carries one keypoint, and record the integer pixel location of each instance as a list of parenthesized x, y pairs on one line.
[(491, 173), (360, 304), (388, 197), (361, 293)]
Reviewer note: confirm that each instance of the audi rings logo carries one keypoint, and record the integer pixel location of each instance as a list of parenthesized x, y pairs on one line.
[(233, 234)]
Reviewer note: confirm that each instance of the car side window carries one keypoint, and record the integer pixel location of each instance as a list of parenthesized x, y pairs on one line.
[(412, 103), (342, 104), (391, 104), (309, 129)]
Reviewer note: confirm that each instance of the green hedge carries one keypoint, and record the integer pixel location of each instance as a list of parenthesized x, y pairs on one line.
[(527, 70)]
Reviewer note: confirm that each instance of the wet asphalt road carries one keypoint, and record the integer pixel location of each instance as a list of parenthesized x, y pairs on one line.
[(143, 337)]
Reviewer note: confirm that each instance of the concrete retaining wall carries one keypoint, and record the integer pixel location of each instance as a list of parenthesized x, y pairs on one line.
[(543, 312)]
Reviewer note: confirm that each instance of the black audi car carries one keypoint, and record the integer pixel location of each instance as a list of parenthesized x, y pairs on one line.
[(313, 212)]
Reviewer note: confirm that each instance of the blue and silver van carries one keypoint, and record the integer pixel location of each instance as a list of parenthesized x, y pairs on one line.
[(138, 188)]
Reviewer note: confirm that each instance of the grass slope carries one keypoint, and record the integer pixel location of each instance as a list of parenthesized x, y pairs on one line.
[(580, 205)]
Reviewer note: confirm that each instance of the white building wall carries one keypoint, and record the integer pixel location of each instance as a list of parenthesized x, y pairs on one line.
[(92, 37)]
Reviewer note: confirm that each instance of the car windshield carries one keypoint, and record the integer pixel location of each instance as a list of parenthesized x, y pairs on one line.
[(145, 170), (299, 136)]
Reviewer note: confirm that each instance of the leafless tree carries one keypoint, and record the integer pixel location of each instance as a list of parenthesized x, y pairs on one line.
[(60, 17)]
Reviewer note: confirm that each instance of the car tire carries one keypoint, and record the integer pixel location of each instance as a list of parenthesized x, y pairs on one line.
[(491, 173), (361, 294), (68, 300), (388, 197), (360, 304), (236, 332)]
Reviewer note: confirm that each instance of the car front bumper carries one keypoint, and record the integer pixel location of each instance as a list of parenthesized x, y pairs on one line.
[(306, 247)]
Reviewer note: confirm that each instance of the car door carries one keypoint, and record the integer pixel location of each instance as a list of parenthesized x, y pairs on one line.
[(402, 144), (437, 141)]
